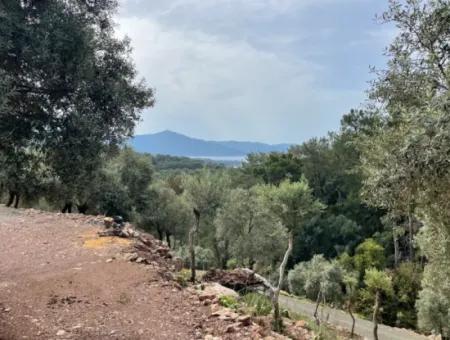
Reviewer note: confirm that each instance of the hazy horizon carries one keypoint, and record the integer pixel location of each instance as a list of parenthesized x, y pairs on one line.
[(207, 139)]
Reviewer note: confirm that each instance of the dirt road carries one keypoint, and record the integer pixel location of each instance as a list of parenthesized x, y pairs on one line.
[(339, 318), (58, 280)]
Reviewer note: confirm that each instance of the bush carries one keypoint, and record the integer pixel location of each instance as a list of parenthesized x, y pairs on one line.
[(232, 263), (204, 257), (228, 301), (183, 277), (257, 304)]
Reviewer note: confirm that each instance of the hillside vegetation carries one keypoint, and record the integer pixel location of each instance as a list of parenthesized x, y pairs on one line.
[(359, 219), (176, 144)]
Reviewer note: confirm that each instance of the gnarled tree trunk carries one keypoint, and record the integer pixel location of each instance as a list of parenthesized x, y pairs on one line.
[(192, 234), (376, 309), (67, 208), (349, 309), (277, 321), (10, 199), (411, 237), (16, 204), (316, 315), (14, 197), (396, 251)]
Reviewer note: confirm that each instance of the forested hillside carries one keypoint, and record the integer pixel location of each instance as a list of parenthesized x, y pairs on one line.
[(359, 218), (176, 144)]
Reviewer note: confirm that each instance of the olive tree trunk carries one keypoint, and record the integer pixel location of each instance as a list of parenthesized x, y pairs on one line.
[(349, 309), (396, 252), (316, 315), (411, 237), (277, 321), (376, 309), (192, 234)]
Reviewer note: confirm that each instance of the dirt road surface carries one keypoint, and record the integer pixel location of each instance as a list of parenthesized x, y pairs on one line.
[(58, 280)]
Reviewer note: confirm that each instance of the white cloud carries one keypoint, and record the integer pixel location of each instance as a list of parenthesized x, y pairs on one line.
[(225, 69), (213, 85)]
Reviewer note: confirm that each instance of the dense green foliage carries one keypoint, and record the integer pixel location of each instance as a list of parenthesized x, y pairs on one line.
[(68, 93)]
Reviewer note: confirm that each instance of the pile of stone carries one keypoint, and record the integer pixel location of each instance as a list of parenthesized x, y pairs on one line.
[(145, 248), (226, 324), (240, 279), (115, 226)]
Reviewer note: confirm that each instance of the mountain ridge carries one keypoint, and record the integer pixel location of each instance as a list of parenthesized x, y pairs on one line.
[(176, 144)]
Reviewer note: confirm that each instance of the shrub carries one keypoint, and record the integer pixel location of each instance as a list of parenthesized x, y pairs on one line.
[(183, 277), (232, 263), (228, 301), (257, 304)]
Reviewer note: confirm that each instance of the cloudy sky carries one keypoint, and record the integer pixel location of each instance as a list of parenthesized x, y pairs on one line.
[(262, 70)]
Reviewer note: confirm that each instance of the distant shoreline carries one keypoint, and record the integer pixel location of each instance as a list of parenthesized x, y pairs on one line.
[(220, 158)]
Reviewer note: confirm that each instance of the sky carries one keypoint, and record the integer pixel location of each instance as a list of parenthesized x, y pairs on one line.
[(272, 71)]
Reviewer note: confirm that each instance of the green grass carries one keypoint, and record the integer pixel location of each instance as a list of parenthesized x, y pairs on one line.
[(322, 331), (228, 301), (257, 304)]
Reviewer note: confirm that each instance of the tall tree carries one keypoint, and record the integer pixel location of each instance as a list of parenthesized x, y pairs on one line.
[(68, 86), (377, 282), (205, 191), (293, 204), (254, 235), (405, 161)]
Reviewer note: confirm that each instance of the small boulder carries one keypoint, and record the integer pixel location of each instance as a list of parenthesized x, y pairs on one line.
[(245, 320), (61, 332), (230, 328), (204, 297), (108, 222), (214, 288), (300, 323)]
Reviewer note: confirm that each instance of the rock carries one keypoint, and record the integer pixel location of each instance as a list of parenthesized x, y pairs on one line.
[(226, 315), (108, 222), (211, 337), (109, 260), (230, 329), (61, 332), (216, 289), (162, 250), (131, 257), (245, 320), (237, 279), (140, 260), (300, 323), (204, 297), (215, 311)]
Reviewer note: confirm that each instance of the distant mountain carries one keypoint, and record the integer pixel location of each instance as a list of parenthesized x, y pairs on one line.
[(176, 144)]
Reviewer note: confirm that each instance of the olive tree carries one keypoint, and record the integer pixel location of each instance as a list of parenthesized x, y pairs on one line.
[(377, 282), (166, 213), (350, 281), (405, 160), (293, 204), (68, 88), (254, 234), (204, 191), (318, 279)]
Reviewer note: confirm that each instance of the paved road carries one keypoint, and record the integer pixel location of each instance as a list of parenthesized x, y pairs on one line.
[(339, 318)]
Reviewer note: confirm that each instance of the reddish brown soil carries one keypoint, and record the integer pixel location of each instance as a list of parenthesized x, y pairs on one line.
[(58, 282)]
